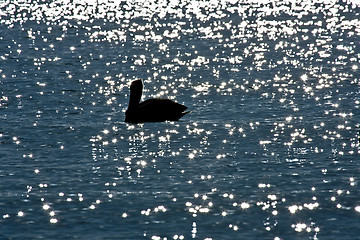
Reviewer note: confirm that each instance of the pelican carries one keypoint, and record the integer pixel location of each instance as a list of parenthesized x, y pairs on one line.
[(151, 110)]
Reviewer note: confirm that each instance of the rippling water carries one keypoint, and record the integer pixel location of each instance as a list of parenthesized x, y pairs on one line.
[(269, 151)]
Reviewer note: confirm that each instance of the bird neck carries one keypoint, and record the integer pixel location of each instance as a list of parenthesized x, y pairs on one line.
[(135, 95)]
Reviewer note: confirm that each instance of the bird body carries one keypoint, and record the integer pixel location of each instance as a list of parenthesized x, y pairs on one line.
[(151, 110)]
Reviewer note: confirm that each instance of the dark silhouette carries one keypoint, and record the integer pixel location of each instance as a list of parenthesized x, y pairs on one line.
[(151, 110)]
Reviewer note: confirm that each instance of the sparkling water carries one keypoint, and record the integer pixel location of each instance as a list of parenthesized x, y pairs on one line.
[(270, 149)]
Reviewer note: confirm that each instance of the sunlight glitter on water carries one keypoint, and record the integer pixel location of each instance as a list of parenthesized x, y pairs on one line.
[(273, 131)]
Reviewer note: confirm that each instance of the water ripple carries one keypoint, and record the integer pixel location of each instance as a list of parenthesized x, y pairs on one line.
[(269, 149)]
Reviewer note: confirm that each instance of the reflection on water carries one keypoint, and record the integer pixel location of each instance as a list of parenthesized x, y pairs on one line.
[(270, 149)]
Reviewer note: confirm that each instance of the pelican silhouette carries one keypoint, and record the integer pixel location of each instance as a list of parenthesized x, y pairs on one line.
[(151, 110)]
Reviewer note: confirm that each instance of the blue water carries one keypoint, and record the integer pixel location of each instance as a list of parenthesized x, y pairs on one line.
[(269, 151)]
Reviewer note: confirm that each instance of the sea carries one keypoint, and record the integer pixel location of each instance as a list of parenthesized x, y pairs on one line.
[(270, 149)]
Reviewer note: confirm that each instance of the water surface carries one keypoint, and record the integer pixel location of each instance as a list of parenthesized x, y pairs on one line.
[(269, 151)]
